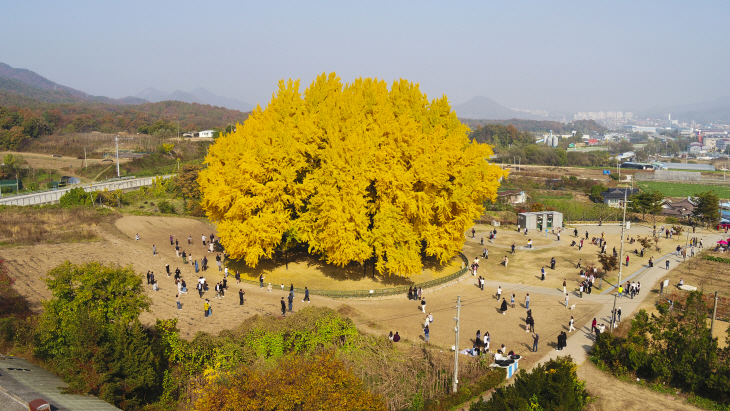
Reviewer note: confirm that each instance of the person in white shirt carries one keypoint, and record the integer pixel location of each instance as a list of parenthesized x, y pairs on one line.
[(430, 317)]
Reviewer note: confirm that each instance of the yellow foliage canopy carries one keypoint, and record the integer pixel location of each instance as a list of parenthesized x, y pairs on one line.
[(299, 383), (355, 170)]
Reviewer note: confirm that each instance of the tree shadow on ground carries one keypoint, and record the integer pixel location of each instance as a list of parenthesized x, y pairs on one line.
[(299, 258)]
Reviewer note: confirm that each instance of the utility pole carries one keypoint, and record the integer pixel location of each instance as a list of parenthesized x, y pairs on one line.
[(620, 260), (116, 140), (456, 347), (714, 314)]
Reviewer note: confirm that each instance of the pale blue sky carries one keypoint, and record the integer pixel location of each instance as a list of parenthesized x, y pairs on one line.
[(570, 55)]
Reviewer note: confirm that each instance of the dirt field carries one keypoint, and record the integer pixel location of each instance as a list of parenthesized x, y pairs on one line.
[(117, 245), (524, 267), (595, 174), (65, 165), (616, 395)]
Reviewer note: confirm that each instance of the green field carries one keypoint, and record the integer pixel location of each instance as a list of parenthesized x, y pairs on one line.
[(684, 190)]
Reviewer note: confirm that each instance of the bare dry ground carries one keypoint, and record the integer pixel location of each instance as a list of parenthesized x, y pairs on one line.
[(613, 394), (65, 165), (116, 245)]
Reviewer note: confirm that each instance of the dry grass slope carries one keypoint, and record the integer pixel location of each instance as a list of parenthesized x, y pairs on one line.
[(33, 225)]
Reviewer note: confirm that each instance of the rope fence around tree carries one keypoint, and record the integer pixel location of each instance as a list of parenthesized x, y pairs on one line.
[(382, 292)]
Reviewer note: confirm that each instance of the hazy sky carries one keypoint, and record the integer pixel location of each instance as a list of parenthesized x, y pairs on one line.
[(558, 55)]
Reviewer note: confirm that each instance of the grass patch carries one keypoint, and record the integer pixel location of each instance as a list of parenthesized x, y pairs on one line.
[(683, 190), (50, 224)]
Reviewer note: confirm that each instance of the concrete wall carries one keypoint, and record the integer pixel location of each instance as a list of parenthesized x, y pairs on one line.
[(50, 197), (669, 175)]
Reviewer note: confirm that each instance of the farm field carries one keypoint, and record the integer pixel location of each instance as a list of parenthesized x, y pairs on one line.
[(684, 190)]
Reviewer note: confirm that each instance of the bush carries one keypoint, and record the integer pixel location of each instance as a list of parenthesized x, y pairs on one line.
[(671, 220), (674, 348), (75, 197), (166, 207), (550, 386)]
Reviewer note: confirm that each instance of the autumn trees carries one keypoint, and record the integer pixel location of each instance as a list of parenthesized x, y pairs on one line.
[(355, 171)]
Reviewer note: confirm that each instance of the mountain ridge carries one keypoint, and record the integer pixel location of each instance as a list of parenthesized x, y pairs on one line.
[(200, 95), (54, 91)]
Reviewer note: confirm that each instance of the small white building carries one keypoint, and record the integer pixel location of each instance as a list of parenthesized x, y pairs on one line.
[(206, 133), (540, 220)]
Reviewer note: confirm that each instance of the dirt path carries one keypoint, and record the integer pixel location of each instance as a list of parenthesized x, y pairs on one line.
[(613, 394)]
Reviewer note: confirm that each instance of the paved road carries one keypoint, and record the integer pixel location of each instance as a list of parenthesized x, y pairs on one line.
[(23, 382)]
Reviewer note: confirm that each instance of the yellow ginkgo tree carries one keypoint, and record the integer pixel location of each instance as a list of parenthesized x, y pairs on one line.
[(357, 171)]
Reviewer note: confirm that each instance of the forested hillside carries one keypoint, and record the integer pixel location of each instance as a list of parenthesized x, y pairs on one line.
[(30, 118)]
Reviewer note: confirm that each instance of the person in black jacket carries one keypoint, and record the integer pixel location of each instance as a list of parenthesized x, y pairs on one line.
[(283, 306), (504, 306), (240, 296)]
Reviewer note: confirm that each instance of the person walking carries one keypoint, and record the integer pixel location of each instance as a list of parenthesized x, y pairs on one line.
[(627, 260), (291, 301), (567, 298), (552, 263), (154, 250), (499, 292), (535, 340), (283, 306), (666, 265), (513, 248), (571, 326), (486, 254), (177, 300), (425, 333), (206, 307), (527, 301), (565, 283), (503, 308), (306, 295), (542, 272), (423, 305), (171, 240), (512, 301), (203, 240), (148, 278), (618, 314), (261, 281), (593, 325)]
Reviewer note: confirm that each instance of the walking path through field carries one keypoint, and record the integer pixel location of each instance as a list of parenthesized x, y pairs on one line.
[(580, 342)]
